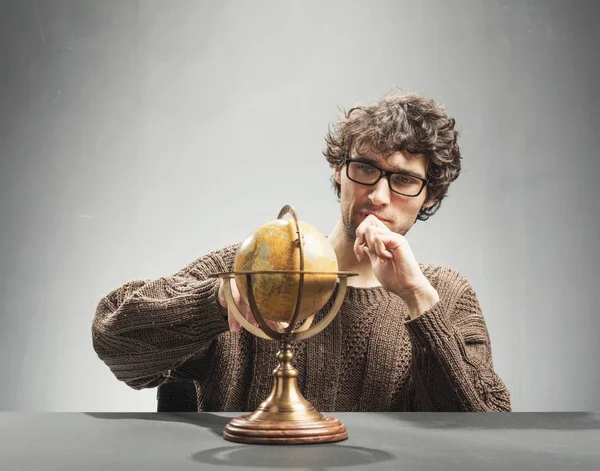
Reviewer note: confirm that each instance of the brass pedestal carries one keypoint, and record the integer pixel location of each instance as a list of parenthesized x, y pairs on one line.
[(285, 417)]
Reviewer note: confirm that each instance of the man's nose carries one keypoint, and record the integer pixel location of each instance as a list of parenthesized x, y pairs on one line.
[(380, 193)]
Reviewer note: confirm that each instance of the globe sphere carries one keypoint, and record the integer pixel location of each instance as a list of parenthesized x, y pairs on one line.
[(272, 247)]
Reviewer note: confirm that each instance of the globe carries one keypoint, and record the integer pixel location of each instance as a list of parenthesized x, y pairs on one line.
[(272, 247)]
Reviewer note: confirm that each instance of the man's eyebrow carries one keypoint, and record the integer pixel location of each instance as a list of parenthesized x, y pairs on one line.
[(412, 174), (374, 163)]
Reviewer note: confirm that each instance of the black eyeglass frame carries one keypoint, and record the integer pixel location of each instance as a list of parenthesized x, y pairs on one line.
[(384, 173)]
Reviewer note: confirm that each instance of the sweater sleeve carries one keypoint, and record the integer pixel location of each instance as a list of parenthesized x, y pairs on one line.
[(452, 367), (146, 331)]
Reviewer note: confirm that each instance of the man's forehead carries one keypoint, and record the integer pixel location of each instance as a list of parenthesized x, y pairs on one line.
[(394, 160)]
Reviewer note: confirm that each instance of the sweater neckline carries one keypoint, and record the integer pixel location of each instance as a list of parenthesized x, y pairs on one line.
[(369, 295)]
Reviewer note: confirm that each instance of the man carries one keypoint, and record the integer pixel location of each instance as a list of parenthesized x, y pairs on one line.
[(408, 337)]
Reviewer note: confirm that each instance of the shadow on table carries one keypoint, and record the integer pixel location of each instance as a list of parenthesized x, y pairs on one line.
[(502, 421), (317, 457), (215, 423)]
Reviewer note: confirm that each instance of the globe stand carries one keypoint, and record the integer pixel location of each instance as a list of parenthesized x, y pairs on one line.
[(285, 417)]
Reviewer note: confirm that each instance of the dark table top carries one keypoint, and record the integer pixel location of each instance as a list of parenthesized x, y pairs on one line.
[(399, 441)]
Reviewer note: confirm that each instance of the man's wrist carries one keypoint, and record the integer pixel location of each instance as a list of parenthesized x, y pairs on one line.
[(420, 299)]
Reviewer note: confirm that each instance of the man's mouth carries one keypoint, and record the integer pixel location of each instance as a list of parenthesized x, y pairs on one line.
[(364, 214)]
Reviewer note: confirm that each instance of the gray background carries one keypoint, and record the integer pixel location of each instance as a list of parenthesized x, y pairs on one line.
[(137, 135)]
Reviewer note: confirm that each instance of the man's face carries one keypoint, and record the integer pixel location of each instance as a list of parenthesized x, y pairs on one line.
[(396, 211)]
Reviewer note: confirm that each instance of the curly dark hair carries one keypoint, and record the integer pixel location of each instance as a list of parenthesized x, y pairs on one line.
[(400, 122)]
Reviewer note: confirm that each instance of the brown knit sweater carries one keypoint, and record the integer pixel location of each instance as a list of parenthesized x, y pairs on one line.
[(369, 359)]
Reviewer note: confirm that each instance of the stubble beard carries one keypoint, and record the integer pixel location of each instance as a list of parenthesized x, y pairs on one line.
[(351, 224)]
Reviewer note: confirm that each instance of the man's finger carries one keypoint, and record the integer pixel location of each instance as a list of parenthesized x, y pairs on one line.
[(371, 240), (247, 313), (234, 325), (381, 248), (374, 236), (360, 231), (221, 294), (372, 255), (372, 220), (272, 325), (392, 241), (235, 293), (358, 251)]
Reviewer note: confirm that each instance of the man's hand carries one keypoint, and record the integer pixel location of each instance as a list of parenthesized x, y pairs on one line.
[(244, 309), (394, 265)]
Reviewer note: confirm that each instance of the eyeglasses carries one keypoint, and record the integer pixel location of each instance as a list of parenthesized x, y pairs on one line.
[(400, 183)]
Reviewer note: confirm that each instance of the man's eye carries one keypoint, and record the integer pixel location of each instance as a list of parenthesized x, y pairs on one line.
[(365, 168), (404, 180)]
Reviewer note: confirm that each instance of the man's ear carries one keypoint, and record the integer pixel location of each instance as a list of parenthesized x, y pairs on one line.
[(337, 175), (429, 203)]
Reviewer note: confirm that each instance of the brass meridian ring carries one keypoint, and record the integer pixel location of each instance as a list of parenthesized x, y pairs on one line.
[(303, 332)]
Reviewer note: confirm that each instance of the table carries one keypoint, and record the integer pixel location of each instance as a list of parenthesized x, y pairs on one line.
[(398, 441)]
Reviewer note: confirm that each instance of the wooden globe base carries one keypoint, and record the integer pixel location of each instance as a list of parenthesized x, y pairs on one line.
[(285, 417)]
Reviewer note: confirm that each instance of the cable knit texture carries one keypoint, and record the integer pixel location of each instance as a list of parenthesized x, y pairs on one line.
[(370, 358)]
